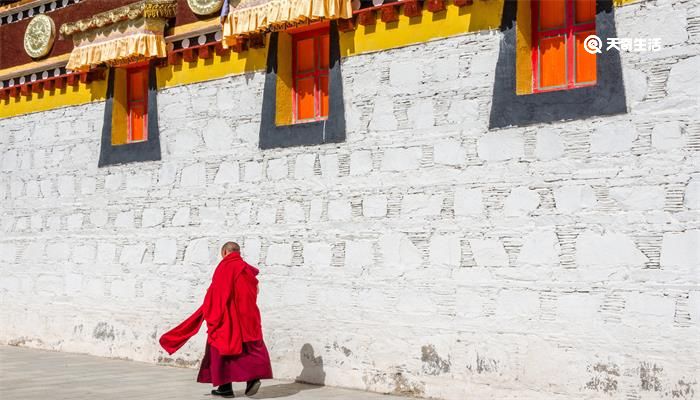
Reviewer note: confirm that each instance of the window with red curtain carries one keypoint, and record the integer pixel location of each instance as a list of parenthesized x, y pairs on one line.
[(559, 29), (137, 104), (310, 64)]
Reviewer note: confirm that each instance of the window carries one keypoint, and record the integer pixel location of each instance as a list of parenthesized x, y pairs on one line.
[(559, 29), (137, 104), (310, 67)]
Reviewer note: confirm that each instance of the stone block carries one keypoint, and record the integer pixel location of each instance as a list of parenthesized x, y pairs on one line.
[(521, 201), (165, 251), (360, 162), (489, 252), (194, 175), (374, 205), (339, 210), (279, 254), (401, 159), (132, 254), (610, 249), (468, 201), (681, 249), (445, 251), (277, 168), (501, 146), (152, 217), (613, 137)]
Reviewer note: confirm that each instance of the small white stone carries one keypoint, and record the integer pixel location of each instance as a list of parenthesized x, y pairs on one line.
[(613, 137), (549, 145), (692, 194), (194, 176), (165, 251), (667, 136), (277, 169), (445, 250), (132, 254), (99, 217), (421, 204), (181, 217), (198, 252), (279, 254), (421, 114), (468, 202), (359, 253), (374, 206), (218, 135), (521, 201), (639, 198), (152, 217), (124, 219), (500, 146), (360, 162), (317, 255), (383, 118), (681, 250), (293, 212), (610, 249), (449, 152), (489, 252), (540, 248), (401, 159), (572, 198), (684, 80), (75, 221), (339, 210), (253, 171), (228, 174), (304, 166)]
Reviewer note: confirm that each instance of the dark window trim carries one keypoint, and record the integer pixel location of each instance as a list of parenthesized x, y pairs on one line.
[(330, 130), (607, 97), (131, 152)]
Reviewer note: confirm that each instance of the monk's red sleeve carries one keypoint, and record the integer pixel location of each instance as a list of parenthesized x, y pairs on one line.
[(175, 338)]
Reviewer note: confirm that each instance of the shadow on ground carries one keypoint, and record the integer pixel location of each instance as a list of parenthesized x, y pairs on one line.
[(282, 390), (312, 377)]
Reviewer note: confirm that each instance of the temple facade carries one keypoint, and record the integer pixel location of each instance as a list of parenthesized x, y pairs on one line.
[(457, 199)]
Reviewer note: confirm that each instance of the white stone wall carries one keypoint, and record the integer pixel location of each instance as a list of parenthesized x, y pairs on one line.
[(426, 255)]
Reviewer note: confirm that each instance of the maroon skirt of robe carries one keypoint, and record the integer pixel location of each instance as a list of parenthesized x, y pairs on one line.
[(252, 363)]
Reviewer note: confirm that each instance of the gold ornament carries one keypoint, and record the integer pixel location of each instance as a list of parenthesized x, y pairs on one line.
[(39, 36), (205, 7)]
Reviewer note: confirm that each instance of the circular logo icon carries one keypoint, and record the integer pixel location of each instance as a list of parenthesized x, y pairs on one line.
[(593, 44), (39, 36), (205, 7)]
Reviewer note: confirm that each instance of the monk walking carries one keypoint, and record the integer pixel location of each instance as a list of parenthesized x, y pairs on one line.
[(235, 351)]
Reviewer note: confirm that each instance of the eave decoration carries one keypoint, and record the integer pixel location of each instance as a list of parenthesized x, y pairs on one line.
[(127, 34), (254, 16), (39, 36)]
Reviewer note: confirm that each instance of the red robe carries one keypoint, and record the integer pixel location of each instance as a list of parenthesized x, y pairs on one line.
[(229, 308)]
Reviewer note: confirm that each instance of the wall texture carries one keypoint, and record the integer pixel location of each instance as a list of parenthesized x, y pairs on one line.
[(426, 255)]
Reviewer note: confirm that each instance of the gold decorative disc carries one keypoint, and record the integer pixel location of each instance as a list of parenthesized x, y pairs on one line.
[(39, 36), (205, 7)]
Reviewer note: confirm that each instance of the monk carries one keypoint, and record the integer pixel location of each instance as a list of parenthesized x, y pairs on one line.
[(235, 351)]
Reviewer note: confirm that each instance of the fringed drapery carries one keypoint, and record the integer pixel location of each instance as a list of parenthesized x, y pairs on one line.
[(260, 15), (135, 47)]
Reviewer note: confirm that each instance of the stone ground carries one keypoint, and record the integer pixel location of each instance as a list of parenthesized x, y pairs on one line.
[(29, 374)]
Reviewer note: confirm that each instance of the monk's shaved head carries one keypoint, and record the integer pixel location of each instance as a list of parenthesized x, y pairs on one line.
[(229, 247)]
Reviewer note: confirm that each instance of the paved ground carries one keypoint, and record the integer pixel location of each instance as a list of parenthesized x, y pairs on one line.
[(28, 374)]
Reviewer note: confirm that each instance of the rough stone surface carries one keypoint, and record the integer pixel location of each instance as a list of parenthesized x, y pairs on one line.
[(425, 255)]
